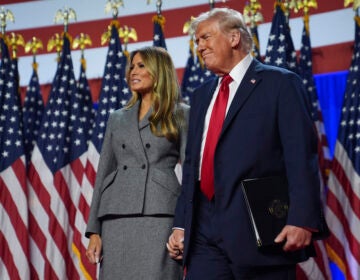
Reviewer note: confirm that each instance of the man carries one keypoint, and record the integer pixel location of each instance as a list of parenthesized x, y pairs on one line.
[(266, 132)]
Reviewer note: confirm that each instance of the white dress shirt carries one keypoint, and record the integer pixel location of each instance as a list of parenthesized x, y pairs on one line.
[(237, 74)]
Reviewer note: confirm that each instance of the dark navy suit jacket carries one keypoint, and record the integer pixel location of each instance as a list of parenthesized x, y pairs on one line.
[(267, 131)]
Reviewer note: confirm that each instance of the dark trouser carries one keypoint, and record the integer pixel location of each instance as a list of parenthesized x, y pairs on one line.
[(208, 259)]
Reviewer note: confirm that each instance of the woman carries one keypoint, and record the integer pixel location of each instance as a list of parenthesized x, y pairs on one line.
[(136, 186)]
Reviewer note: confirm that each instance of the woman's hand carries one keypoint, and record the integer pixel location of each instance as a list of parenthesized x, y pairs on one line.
[(175, 245), (94, 249)]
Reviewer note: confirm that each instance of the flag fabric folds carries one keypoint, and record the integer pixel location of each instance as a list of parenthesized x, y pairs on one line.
[(14, 240), (256, 45), (318, 267), (194, 75), (85, 94), (80, 242), (114, 90), (32, 113), (159, 23), (280, 49), (54, 179), (343, 196)]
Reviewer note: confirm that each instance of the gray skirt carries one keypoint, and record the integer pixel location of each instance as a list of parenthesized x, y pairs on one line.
[(134, 248)]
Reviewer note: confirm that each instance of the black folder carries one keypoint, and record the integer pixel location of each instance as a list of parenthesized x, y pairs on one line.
[(267, 202)]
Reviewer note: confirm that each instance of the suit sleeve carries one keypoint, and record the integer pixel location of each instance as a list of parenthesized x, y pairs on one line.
[(107, 164), (179, 219), (183, 132), (299, 142)]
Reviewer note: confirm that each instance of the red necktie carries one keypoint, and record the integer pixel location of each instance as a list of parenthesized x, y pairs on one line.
[(215, 126)]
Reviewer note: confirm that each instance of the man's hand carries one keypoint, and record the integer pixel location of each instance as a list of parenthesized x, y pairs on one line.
[(94, 249), (175, 245), (295, 238)]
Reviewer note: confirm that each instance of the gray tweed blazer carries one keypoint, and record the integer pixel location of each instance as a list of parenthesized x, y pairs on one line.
[(136, 169)]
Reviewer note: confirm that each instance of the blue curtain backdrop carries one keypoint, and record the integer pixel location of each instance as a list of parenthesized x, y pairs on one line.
[(331, 89)]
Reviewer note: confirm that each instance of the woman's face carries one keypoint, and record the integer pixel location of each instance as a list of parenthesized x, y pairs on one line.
[(140, 78)]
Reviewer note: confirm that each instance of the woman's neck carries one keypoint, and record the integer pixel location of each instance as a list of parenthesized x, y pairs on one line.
[(144, 105)]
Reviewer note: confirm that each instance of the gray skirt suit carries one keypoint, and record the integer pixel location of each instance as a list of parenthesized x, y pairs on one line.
[(134, 198)]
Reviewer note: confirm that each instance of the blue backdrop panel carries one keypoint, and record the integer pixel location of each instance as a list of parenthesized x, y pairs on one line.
[(331, 89)]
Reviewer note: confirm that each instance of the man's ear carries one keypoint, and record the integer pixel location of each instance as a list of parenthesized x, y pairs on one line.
[(235, 38)]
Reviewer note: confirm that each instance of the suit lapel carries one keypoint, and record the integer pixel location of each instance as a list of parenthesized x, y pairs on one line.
[(201, 104), (132, 126), (248, 84)]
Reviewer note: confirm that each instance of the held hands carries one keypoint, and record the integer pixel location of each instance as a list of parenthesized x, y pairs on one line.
[(94, 249), (175, 244), (295, 238)]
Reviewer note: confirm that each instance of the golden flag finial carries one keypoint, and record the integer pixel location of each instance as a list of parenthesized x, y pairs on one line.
[(81, 41), (56, 41), (105, 37), (15, 40), (127, 33), (34, 45), (5, 15), (113, 6), (187, 25), (158, 6), (65, 16), (356, 3), (252, 15), (306, 5)]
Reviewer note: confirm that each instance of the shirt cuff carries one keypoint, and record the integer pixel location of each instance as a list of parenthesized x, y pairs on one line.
[(179, 228)]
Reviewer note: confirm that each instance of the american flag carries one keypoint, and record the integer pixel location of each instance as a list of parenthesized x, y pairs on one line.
[(114, 95), (256, 45), (315, 268), (159, 23), (114, 90), (32, 113), (191, 76), (85, 93), (14, 249), (343, 196), (55, 176), (80, 242), (280, 49), (194, 75)]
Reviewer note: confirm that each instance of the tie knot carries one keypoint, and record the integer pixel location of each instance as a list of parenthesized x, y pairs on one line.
[(226, 80)]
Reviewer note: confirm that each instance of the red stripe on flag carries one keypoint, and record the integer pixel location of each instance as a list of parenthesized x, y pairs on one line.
[(78, 169), (90, 173), (84, 208), (337, 209), (40, 241), (341, 176), (17, 222), (8, 259), (55, 229), (300, 274), (321, 260)]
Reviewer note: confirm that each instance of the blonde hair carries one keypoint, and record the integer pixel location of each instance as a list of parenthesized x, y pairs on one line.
[(166, 91)]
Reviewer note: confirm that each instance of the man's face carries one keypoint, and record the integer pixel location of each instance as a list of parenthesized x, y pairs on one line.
[(213, 45)]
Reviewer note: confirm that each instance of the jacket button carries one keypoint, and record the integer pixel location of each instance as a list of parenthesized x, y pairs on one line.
[(123, 146), (143, 166), (147, 145), (125, 167)]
